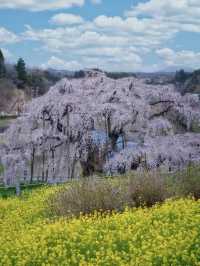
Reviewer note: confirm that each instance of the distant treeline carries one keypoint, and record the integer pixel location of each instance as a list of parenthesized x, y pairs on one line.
[(36, 81), (113, 75), (187, 82), (31, 81)]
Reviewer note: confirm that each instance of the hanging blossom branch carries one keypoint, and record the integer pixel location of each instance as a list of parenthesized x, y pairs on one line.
[(100, 124)]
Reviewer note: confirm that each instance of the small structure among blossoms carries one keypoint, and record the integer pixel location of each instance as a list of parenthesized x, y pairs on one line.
[(100, 125)]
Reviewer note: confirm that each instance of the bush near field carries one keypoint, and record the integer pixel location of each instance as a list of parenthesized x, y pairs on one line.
[(133, 190)]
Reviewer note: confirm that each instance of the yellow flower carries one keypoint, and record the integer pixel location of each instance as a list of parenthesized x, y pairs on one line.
[(163, 235)]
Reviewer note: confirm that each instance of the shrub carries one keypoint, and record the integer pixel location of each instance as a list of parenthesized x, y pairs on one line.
[(102, 195), (189, 182), (136, 189), (148, 188), (89, 195)]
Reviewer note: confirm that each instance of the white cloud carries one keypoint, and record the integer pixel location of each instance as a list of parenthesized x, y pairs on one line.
[(109, 32), (96, 2), (153, 28), (184, 58), (120, 42), (66, 19), (40, 5), (7, 36), (184, 15), (160, 8), (73, 38), (165, 53), (105, 59), (60, 64), (111, 43)]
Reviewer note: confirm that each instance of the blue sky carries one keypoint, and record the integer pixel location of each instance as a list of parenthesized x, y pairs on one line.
[(115, 35)]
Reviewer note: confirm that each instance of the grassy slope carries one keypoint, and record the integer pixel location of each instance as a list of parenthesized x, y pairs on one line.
[(4, 122), (163, 235)]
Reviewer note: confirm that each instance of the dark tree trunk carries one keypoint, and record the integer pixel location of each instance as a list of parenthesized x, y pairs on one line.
[(32, 164)]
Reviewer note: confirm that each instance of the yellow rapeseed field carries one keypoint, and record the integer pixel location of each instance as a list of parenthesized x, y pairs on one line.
[(163, 235)]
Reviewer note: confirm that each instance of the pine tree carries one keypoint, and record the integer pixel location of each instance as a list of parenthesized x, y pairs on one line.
[(21, 70), (2, 65)]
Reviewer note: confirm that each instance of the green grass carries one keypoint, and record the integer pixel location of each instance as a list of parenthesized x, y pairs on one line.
[(5, 122), (1, 169), (11, 191)]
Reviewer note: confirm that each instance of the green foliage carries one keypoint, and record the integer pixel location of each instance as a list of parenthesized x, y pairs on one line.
[(6, 192), (119, 75), (21, 70), (1, 169), (188, 82), (3, 122), (2, 65), (181, 76), (79, 74), (38, 82)]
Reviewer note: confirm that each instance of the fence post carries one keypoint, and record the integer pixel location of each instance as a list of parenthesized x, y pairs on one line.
[(17, 186)]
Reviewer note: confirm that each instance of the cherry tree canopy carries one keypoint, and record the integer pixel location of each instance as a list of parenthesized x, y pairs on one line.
[(97, 124)]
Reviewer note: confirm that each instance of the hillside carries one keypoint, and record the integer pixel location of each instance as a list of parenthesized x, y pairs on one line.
[(19, 83), (12, 99)]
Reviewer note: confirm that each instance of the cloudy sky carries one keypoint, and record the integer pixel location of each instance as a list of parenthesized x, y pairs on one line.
[(114, 35)]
